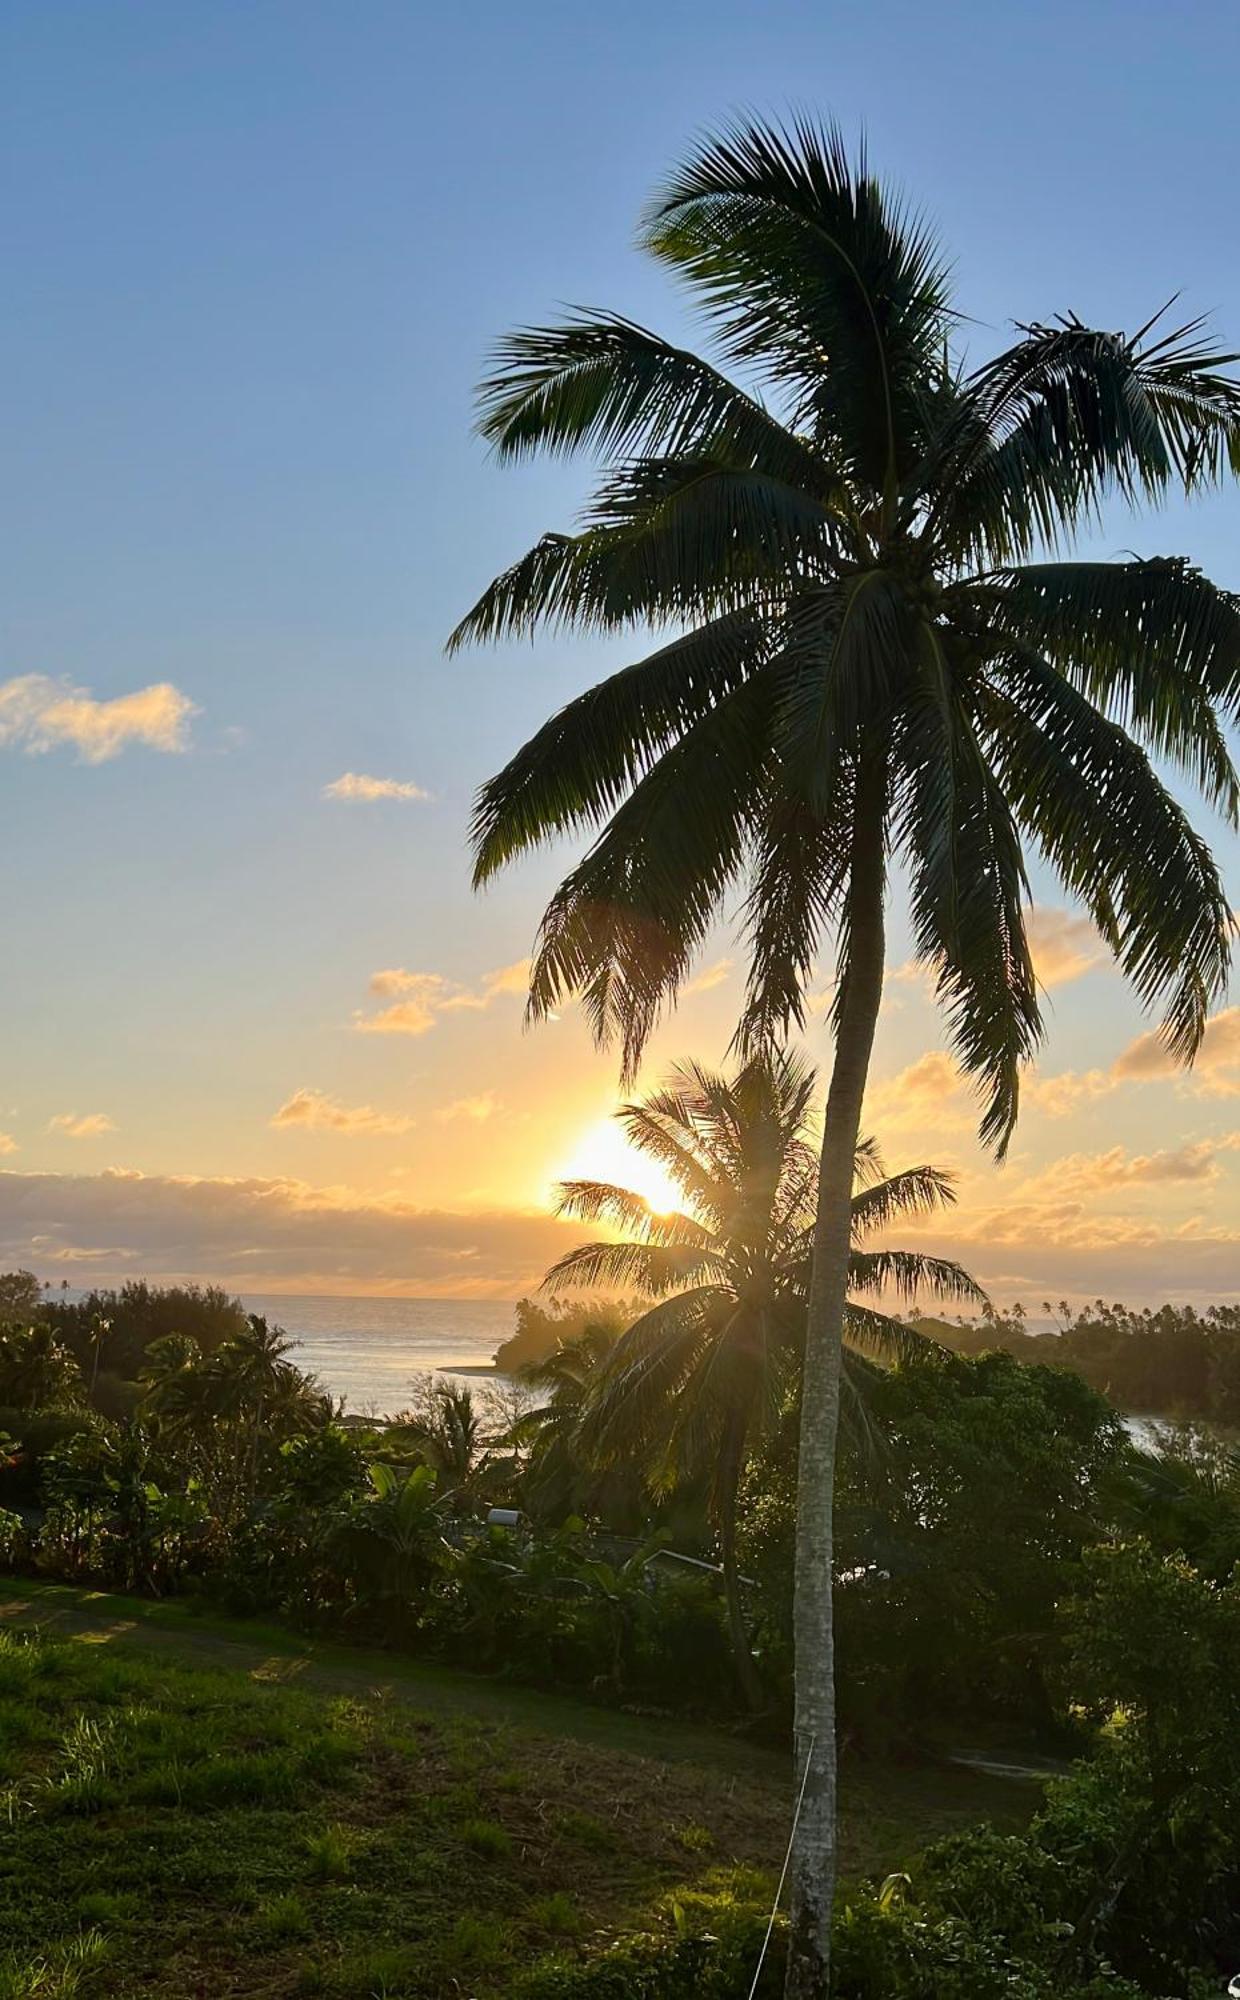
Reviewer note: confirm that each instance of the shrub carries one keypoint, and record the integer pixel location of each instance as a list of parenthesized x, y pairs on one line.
[(329, 1854), (486, 1836), (282, 1920)]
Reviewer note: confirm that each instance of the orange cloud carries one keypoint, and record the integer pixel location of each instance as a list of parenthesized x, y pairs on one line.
[(710, 977), (358, 788), (8, 1143), (929, 1091), (1216, 1072), (313, 1110), (38, 714), (92, 1126), (1058, 1095), (1062, 945), (1083, 1173), (477, 1109), (423, 996), (273, 1234)]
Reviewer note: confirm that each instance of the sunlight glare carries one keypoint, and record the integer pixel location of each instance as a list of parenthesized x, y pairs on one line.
[(604, 1154)]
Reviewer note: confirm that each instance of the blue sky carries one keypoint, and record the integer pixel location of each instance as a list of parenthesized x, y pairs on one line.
[(256, 254)]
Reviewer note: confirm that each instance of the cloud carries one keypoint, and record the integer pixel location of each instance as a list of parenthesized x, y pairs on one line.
[(8, 1143), (1216, 1072), (1048, 1241), (418, 998), (91, 1126), (1063, 946), (710, 977), (478, 1109), (930, 1091), (1084, 1173), (514, 978), (283, 1235), (272, 1235), (358, 788), (313, 1110), (39, 714), (1058, 1095)]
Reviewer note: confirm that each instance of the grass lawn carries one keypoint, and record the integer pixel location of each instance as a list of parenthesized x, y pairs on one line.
[(191, 1829)]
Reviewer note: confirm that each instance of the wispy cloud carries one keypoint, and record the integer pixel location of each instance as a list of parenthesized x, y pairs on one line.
[(929, 1092), (38, 714), (1059, 1095), (419, 998), (1062, 945), (1195, 1162), (710, 977), (359, 788), (476, 1109), (8, 1143), (91, 1125), (1216, 1072), (314, 1110)]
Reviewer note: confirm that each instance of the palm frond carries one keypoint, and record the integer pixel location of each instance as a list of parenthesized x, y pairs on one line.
[(662, 1128), (1155, 645), (601, 1201), (910, 1275), (915, 1191), (891, 1341), (1119, 842), (632, 1395), (625, 926), (582, 763), (797, 892), (968, 896), (1069, 414), (813, 274), (601, 383), (649, 1268)]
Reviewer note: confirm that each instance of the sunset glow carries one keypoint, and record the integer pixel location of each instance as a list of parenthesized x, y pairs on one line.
[(606, 1155)]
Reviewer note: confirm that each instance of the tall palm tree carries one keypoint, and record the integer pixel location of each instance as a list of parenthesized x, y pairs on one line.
[(720, 1348), (877, 655)]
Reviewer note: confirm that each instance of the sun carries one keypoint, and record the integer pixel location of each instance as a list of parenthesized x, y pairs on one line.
[(604, 1154)]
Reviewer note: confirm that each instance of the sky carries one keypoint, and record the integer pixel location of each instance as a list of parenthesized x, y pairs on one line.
[(256, 1026)]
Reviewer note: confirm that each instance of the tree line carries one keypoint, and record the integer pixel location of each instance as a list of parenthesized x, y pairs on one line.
[(1170, 1361)]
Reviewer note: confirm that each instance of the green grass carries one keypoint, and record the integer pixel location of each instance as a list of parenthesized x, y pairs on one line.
[(170, 1829)]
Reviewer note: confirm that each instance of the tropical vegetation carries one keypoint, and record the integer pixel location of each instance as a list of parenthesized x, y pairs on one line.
[(1013, 1573)]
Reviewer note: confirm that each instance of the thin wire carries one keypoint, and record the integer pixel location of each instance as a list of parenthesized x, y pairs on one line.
[(779, 1886)]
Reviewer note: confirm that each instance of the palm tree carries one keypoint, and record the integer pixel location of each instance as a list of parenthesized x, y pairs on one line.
[(871, 661), (173, 1384), (556, 1479), (720, 1349), (447, 1428)]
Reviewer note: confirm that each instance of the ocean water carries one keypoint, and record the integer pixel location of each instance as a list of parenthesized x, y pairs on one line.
[(370, 1350)]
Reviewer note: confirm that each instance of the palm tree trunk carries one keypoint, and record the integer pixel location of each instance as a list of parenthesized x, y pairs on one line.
[(814, 1844), (728, 1480)]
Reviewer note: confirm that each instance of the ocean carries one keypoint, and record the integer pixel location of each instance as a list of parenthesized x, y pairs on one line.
[(370, 1350)]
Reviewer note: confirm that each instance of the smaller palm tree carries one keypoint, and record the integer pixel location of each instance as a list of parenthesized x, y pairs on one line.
[(557, 1481), (449, 1433), (717, 1354)]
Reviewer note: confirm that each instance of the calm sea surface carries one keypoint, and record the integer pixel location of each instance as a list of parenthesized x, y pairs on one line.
[(369, 1350)]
